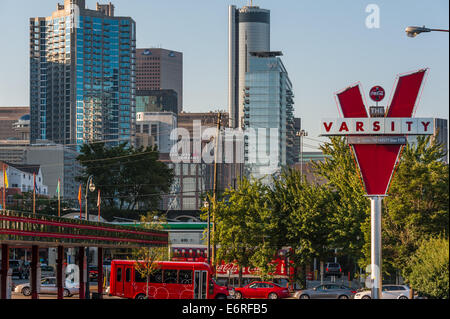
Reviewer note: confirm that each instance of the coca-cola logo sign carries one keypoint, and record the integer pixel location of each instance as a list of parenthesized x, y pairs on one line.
[(377, 93)]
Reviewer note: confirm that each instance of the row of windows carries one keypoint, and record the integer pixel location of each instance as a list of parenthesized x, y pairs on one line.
[(167, 276)]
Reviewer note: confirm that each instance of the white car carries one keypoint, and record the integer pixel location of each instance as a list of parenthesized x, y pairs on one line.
[(387, 292), (48, 286)]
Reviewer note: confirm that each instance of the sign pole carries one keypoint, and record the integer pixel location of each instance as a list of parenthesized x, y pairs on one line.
[(376, 257)]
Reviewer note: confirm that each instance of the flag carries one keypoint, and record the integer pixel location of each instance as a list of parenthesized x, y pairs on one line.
[(79, 194), (5, 177), (98, 199), (57, 188)]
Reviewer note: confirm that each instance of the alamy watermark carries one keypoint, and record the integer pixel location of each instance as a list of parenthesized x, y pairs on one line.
[(373, 19)]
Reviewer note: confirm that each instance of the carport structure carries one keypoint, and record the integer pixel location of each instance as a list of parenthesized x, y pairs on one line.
[(27, 229)]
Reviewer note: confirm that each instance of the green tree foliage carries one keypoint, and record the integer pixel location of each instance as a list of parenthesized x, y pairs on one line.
[(129, 178), (350, 217), (427, 271), (241, 218), (418, 202)]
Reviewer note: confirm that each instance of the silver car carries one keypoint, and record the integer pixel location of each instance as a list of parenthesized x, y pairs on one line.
[(48, 286), (326, 291)]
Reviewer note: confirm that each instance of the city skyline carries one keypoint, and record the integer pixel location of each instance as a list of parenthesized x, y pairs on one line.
[(322, 53)]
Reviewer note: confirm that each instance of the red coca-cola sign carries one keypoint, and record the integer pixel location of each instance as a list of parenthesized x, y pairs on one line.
[(377, 93)]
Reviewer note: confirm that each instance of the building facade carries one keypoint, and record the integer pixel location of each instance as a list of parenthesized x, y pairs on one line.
[(22, 176), (268, 116), (154, 128), (160, 69), (8, 117), (156, 101), (248, 31), (82, 75)]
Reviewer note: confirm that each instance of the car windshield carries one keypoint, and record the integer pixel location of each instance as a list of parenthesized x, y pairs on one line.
[(333, 265)]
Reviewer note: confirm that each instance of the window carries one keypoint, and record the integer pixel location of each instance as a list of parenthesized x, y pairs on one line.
[(185, 277), (119, 275), (128, 275), (138, 277), (170, 276), (156, 276)]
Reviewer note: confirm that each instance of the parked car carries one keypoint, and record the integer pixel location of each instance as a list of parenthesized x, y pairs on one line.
[(19, 269), (93, 273), (333, 269), (48, 286), (326, 291), (261, 289), (387, 292)]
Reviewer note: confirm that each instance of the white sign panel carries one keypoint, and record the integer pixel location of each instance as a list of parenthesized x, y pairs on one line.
[(376, 125)]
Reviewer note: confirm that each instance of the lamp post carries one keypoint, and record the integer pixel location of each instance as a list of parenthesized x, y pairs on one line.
[(301, 134), (413, 31), (206, 205), (91, 187)]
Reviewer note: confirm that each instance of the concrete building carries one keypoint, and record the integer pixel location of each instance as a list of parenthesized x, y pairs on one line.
[(156, 101), (55, 161), (22, 176), (8, 116), (154, 128), (82, 75), (268, 112), (248, 31), (160, 69)]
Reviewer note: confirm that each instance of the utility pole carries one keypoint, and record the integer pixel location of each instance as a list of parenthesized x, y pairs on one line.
[(216, 155)]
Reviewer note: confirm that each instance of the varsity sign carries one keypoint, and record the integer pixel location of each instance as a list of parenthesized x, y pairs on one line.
[(376, 142), (371, 126)]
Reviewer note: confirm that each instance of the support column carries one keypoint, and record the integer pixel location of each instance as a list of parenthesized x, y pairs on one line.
[(4, 272), (81, 265), (376, 259), (34, 265), (100, 272), (59, 272)]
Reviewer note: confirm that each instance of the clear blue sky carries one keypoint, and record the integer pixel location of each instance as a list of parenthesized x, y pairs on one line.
[(326, 47)]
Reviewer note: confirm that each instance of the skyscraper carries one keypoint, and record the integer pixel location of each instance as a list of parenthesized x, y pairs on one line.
[(248, 31), (268, 112), (160, 69), (82, 75)]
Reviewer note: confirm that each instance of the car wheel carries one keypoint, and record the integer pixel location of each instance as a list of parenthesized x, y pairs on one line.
[(273, 295), (67, 293), (366, 297), (237, 295), (343, 297), (26, 291), (305, 296), (140, 296), (402, 297)]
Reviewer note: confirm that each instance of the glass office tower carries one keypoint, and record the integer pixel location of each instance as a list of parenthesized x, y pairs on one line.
[(268, 109), (82, 75)]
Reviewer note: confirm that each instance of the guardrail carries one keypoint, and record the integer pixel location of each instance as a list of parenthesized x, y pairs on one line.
[(25, 227)]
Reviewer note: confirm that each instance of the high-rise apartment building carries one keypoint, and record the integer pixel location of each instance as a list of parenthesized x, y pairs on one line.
[(268, 116), (160, 69), (82, 75), (248, 31)]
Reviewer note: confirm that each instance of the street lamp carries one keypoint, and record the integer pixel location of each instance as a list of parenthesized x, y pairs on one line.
[(206, 205), (413, 31), (91, 187), (301, 134)]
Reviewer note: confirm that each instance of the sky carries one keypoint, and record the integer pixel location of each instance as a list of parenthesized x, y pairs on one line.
[(326, 47)]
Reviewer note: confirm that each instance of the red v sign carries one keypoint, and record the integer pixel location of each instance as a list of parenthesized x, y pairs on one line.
[(377, 161)]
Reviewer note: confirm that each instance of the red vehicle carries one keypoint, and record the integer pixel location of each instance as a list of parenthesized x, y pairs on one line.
[(171, 280), (260, 290)]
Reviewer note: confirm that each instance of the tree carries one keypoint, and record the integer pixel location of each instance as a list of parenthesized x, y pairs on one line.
[(418, 203), (350, 217), (145, 258), (129, 178), (241, 218), (427, 271)]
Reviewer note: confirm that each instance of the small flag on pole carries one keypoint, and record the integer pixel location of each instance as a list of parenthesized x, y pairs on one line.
[(79, 199), (98, 204), (5, 177), (34, 193), (58, 191)]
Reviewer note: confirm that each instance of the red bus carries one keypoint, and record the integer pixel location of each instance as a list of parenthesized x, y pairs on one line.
[(171, 280)]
